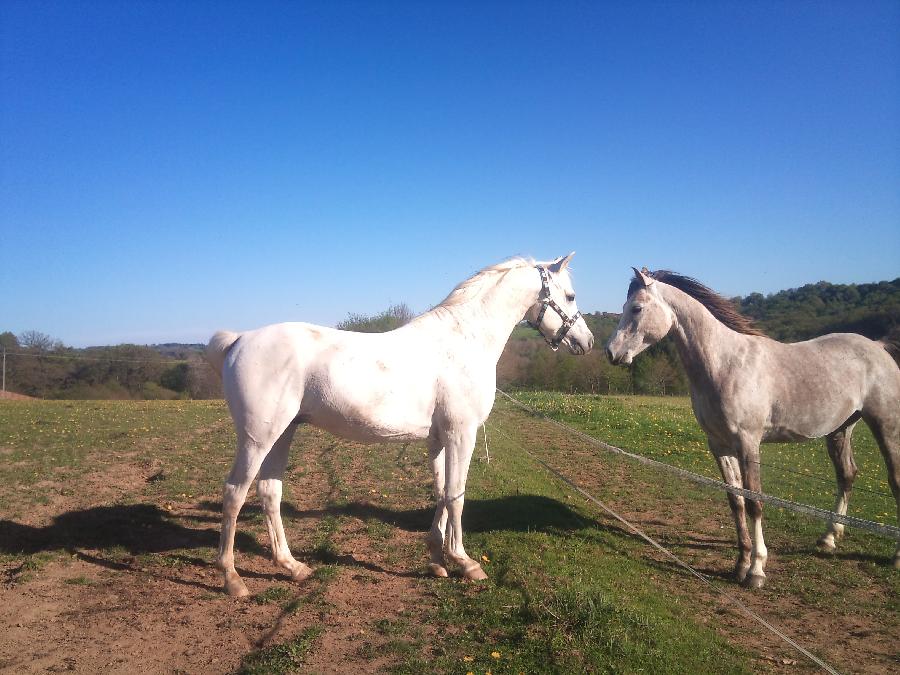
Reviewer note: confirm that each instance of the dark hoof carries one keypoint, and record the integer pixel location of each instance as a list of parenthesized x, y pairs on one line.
[(755, 581), (740, 573)]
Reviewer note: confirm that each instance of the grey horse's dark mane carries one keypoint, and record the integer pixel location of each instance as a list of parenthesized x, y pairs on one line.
[(719, 307)]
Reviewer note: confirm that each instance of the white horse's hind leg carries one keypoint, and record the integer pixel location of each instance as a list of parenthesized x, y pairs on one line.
[(458, 449), (246, 463), (435, 538), (845, 470), (269, 490), (731, 474)]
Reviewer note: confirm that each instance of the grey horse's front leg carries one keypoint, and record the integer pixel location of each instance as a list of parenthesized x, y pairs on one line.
[(749, 455), (731, 474)]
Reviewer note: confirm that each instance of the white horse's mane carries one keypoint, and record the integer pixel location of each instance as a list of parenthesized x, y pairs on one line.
[(476, 285)]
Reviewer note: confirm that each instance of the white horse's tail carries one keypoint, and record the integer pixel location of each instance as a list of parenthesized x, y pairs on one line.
[(218, 347)]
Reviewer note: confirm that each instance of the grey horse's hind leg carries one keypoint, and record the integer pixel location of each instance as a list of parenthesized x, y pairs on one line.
[(841, 453), (886, 430), (731, 474)]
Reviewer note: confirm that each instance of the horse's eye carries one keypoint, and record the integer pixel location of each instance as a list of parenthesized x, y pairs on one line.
[(636, 309), (570, 297)]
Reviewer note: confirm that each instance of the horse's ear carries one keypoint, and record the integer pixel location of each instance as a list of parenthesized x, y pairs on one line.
[(561, 263), (643, 276)]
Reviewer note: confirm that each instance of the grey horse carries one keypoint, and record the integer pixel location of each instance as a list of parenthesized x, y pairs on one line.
[(748, 389)]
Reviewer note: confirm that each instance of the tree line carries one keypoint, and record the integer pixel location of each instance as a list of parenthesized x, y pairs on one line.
[(39, 365)]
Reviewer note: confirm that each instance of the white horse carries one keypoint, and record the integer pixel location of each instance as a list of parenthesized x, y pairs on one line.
[(748, 389), (433, 379)]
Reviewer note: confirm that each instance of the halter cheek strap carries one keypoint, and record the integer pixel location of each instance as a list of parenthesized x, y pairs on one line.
[(547, 301)]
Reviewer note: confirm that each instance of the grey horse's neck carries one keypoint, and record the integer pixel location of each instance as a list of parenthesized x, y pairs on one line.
[(704, 343)]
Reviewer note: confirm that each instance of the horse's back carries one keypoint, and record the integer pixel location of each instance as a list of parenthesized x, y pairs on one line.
[(819, 384), (364, 386)]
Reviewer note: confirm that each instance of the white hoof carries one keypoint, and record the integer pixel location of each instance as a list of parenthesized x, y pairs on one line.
[(235, 587), (438, 570), (475, 573), (301, 572)]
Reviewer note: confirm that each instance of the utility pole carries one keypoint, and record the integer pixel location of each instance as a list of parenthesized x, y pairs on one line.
[(4, 369)]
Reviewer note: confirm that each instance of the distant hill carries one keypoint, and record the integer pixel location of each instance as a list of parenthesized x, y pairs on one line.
[(179, 350), (38, 365), (791, 315), (815, 309)]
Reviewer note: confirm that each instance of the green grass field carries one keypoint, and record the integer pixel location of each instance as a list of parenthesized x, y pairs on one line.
[(664, 429), (569, 591)]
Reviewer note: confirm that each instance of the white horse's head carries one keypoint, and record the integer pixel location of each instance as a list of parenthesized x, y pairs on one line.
[(555, 314), (646, 319)]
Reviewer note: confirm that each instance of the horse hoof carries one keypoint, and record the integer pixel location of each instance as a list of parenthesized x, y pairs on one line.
[(236, 588), (826, 545), (438, 570), (475, 573), (755, 581), (740, 573), (301, 573)]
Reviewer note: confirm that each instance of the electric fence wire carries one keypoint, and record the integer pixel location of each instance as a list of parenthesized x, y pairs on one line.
[(888, 531), (747, 611)]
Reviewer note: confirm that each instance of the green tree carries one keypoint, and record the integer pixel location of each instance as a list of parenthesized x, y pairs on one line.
[(391, 318)]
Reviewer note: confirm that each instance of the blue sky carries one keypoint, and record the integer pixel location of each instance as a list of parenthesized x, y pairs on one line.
[(170, 168)]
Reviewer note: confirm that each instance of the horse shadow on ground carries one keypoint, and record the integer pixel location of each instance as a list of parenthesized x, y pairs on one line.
[(136, 528), (113, 536), (513, 513)]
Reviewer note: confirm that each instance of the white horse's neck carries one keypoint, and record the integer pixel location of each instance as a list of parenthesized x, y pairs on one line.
[(704, 343), (488, 319)]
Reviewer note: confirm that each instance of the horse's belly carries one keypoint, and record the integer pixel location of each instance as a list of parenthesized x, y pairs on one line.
[(786, 435), (366, 429)]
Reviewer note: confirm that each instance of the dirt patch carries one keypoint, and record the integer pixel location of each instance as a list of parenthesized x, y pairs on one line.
[(94, 604), (10, 396)]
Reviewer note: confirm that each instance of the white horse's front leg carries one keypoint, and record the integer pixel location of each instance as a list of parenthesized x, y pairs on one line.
[(458, 449), (435, 538), (269, 490)]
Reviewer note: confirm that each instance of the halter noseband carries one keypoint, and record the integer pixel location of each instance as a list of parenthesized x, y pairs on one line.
[(547, 301)]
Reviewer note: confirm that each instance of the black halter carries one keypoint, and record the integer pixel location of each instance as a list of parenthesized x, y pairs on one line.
[(547, 301)]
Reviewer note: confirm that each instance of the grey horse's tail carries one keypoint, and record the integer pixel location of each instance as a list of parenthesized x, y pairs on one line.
[(892, 347), (218, 347)]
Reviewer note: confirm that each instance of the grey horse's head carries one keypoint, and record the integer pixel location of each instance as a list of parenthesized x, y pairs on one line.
[(646, 319)]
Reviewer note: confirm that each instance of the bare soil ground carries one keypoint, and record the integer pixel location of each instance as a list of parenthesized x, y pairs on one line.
[(11, 396), (119, 578), (93, 608)]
